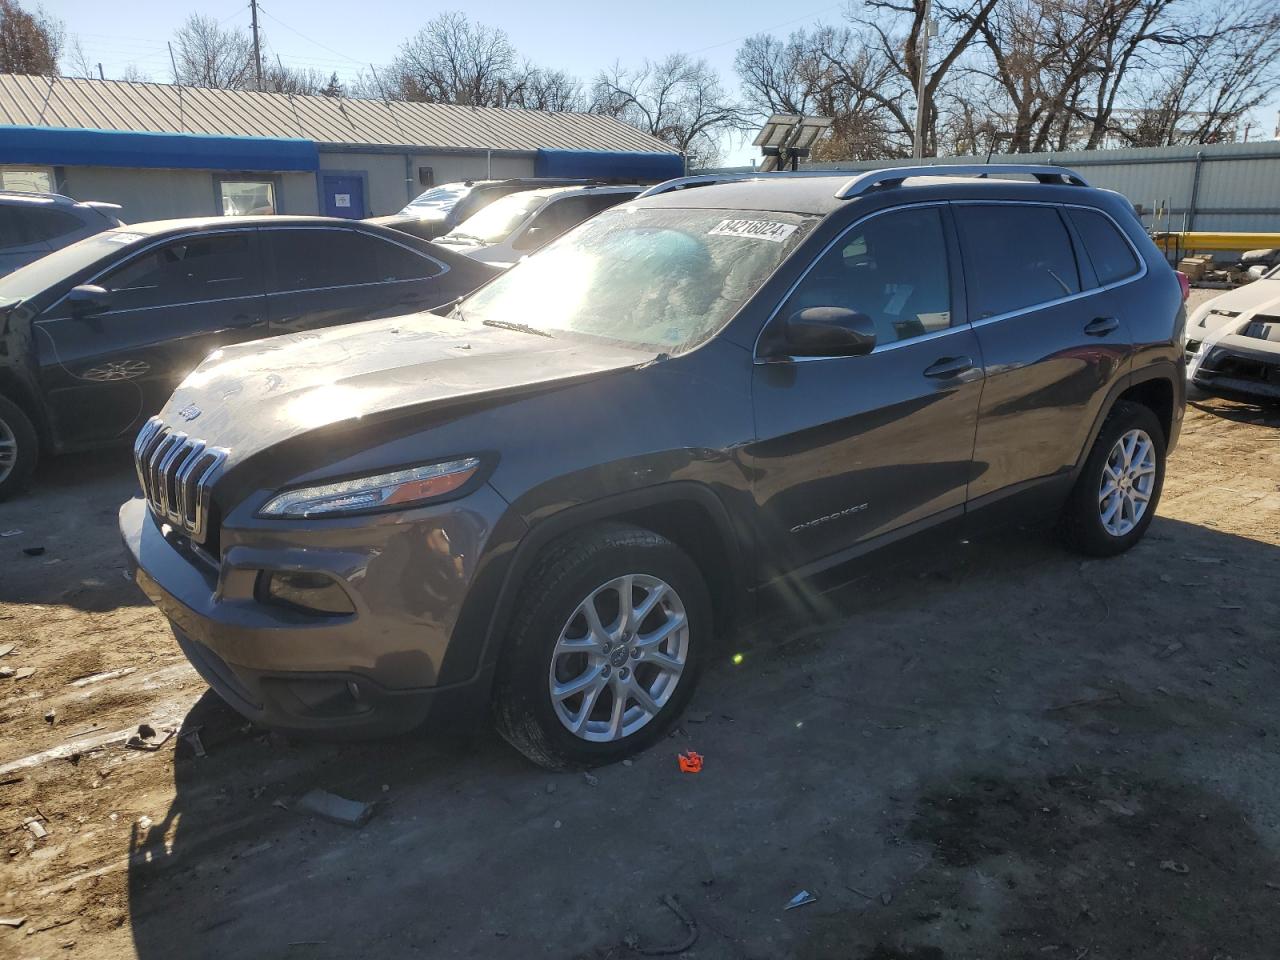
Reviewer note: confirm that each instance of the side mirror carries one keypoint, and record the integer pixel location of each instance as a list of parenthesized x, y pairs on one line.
[(88, 299), (829, 332)]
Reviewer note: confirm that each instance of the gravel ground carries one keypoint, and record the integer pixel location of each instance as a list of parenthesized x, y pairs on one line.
[(996, 751)]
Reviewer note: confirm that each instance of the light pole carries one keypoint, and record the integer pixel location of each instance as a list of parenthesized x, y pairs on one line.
[(922, 108)]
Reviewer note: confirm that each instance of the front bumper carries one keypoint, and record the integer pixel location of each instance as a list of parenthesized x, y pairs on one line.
[(385, 668), (1232, 368)]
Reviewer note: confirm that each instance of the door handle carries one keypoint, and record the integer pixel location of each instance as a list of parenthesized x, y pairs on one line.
[(949, 367), (1101, 326)]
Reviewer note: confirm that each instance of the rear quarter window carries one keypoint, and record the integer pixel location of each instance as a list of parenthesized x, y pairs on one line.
[(1112, 257), (1015, 257)]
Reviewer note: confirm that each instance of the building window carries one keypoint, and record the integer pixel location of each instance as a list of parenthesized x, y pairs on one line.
[(241, 198), (27, 179)]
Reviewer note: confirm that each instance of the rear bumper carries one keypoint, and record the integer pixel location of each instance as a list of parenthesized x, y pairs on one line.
[(359, 675)]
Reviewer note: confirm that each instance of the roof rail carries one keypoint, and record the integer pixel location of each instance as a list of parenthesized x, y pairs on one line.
[(707, 179), (895, 175)]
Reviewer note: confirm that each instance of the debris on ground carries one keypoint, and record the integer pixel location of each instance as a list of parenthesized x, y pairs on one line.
[(35, 827), (96, 677), (10, 533), (1170, 650), (192, 740), (336, 809), (886, 898), (7, 672), (50, 716), (144, 739), (6, 649), (14, 922), (1174, 866), (698, 716), (690, 762), (551, 788), (632, 942), (591, 779), (23, 672), (801, 899), (33, 551)]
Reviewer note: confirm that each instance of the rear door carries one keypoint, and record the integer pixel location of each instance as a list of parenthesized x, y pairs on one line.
[(321, 276), (853, 448), (1051, 337), (171, 304)]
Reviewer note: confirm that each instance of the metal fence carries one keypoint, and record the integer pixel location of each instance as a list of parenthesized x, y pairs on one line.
[(1224, 187)]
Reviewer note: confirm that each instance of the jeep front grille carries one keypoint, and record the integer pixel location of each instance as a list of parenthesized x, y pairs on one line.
[(177, 473)]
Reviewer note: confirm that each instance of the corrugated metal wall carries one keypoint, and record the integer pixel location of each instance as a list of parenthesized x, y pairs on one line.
[(1238, 189)]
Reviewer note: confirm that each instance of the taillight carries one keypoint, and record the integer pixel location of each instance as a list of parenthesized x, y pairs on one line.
[(1184, 283)]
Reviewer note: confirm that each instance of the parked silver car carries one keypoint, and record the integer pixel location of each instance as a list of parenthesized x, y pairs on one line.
[(34, 224)]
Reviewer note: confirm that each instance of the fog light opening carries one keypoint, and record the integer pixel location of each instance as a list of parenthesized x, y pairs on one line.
[(313, 593)]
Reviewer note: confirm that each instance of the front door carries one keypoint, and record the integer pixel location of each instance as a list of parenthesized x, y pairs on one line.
[(853, 448), (343, 196), (1052, 345), (170, 306)]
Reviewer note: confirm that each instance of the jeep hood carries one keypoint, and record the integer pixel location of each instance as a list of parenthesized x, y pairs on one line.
[(252, 396)]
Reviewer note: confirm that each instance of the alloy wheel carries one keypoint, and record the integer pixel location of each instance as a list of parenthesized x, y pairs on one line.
[(1128, 480), (8, 450), (619, 658)]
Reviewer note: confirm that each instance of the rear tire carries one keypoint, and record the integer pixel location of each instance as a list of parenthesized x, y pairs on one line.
[(1116, 494), (19, 449), (631, 674)]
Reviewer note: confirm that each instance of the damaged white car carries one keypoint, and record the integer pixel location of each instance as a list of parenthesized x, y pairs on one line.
[(1233, 341)]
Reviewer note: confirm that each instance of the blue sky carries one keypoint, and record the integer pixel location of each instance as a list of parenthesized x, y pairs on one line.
[(575, 35)]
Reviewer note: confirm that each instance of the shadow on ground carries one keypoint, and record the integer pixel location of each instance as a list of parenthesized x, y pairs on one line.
[(1000, 751), (67, 519)]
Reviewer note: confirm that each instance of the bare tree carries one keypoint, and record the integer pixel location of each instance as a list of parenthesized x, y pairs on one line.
[(132, 73), (677, 99), (452, 60), (209, 56), (539, 88), (831, 72), (76, 62), (29, 42)]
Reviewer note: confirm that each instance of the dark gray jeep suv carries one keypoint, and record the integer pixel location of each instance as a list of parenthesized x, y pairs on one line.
[(553, 496)]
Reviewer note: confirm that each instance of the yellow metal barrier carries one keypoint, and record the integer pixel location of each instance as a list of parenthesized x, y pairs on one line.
[(1180, 243)]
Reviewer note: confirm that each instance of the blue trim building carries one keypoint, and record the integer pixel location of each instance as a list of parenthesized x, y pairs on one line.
[(162, 151)]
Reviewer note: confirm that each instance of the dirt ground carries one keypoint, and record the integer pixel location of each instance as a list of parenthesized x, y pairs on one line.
[(999, 751)]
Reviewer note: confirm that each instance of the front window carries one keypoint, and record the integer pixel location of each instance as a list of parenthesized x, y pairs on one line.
[(497, 221), (437, 201), (662, 279), (241, 198)]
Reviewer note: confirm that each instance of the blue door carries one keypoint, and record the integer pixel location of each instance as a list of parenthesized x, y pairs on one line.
[(343, 196)]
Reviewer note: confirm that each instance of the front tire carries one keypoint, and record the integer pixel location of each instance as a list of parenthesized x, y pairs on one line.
[(19, 449), (608, 641), (1116, 494)]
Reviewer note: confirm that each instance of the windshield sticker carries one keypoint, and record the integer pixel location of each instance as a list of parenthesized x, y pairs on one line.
[(122, 237), (772, 230)]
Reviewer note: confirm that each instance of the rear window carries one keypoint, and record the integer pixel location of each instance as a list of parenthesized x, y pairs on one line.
[(1112, 257), (1015, 257)]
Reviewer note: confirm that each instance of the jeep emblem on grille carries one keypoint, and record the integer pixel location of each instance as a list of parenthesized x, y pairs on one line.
[(189, 412)]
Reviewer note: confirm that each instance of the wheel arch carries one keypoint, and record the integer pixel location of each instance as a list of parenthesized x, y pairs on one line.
[(18, 392), (687, 513), (1153, 386)]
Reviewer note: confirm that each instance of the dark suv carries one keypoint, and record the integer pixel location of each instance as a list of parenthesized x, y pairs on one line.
[(553, 496)]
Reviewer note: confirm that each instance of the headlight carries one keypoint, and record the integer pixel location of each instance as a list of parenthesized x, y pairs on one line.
[(399, 488)]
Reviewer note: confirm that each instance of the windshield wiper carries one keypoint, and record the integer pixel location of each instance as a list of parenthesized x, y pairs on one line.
[(520, 327), (459, 238)]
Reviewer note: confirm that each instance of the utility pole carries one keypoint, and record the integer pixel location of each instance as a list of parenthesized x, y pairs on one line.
[(922, 108), (257, 50)]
